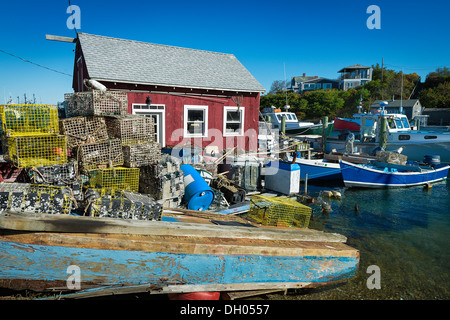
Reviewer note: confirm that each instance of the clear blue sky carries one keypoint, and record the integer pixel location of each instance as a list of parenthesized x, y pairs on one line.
[(312, 37)]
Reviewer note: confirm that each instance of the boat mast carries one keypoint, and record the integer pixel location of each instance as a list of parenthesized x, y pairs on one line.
[(401, 96)]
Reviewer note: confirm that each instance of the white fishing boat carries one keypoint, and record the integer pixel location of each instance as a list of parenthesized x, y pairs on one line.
[(292, 124), (415, 144)]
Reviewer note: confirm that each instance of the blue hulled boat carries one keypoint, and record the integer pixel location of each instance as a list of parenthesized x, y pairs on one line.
[(116, 256), (386, 175)]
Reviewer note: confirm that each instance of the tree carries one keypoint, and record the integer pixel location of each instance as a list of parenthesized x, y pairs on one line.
[(437, 97), (277, 86)]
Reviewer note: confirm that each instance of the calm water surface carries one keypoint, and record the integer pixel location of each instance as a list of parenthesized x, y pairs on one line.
[(405, 232)]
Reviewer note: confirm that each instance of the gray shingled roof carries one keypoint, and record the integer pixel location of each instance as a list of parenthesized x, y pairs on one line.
[(395, 103), (120, 60), (353, 67)]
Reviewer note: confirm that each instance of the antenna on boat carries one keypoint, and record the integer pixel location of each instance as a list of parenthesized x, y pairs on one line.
[(401, 96), (285, 90)]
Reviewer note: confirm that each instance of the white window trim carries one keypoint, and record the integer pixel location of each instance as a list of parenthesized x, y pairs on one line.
[(242, 110), (186, 134), (153, 109)]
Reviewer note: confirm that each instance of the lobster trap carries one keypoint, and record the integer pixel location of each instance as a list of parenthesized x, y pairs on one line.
[(37, 150), (113, 203), (18, 119), (279, 211), (164, 181), (96, 103), (100, 155), (26, 197), (131, 129), (138, 155), (81, 130), (115, 178), (62, 175)]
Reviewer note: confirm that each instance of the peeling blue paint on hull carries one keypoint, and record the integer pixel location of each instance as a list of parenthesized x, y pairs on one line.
[(103, 266)]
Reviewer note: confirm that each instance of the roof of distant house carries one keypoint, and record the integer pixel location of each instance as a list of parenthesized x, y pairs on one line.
[(395, 103), (353, 67), (129, 61)]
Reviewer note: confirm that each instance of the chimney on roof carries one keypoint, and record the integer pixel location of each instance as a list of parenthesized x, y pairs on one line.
[(315, 77), (304, 74)]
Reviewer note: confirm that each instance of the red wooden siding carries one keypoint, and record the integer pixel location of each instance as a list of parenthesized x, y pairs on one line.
[(174, 119)]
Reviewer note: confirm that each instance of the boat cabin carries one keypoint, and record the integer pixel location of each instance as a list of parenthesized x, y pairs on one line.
[(370, 124), (276, 117)]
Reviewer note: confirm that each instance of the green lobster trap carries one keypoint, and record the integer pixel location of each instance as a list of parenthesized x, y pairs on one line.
[(81, 130), (37, 150), (115, 178), (131, 129), (142, 154), (279, 211), (26, 197), (18, 119), (100, 155), (114, 203), (96, 103)]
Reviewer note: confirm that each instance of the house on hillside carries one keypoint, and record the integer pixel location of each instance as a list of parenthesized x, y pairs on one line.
[(410, 108), (318, 84), (296, 82), (354, 76), (193, 95)]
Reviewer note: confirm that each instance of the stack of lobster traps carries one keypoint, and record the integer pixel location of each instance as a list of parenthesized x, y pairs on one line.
[(98, 150)]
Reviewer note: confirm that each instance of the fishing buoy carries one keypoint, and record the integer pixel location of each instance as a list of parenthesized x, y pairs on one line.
[(198, 194), (328, 194), (326, 208), (337, 194), (427, 186)]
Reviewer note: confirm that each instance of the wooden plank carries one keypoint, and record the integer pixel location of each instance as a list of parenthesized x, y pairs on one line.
[(246, 294), (182, 244), (154, 289), (60, 38), (77, 224)]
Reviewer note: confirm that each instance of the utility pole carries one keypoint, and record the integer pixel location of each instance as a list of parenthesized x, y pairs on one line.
[(382, 66)]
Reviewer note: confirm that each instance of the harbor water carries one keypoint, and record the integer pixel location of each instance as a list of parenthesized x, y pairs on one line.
[(404, 232)]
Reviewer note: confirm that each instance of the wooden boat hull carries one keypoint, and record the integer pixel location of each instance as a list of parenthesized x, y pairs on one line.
[(359, 176), (181, 256)]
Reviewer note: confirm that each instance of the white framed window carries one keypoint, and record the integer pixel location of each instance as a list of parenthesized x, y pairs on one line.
[(233, 121), (195, 121)]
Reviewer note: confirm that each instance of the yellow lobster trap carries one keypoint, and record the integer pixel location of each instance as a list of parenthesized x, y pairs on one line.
[(20, 119), (115, 178), (28, 151), (26, 197), (279, 211)]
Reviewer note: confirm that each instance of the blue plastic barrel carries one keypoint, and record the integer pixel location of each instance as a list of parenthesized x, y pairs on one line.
[(197, 194), (432, 159)]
